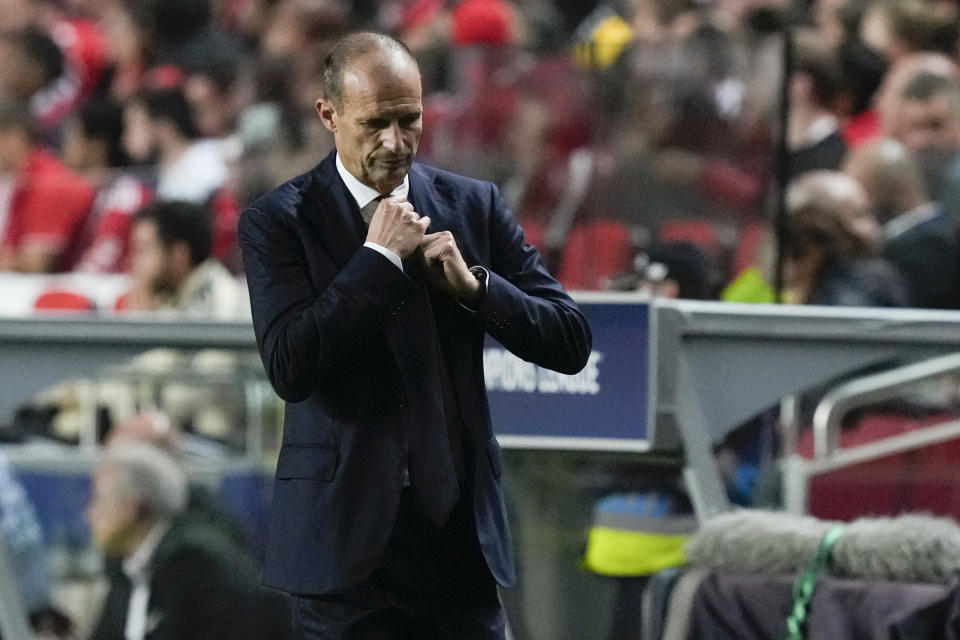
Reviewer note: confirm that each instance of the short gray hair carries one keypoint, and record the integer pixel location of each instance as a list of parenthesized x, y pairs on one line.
[(149, 475)]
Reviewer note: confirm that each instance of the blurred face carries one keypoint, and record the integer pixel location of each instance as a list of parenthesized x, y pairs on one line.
[(16, 14), (212, 110), (18, 77), (856, 215), (932, 124), (14, 146), (75, 146), (875, 32), (138, 138), (111, 514), (377, 128), (149, 259)]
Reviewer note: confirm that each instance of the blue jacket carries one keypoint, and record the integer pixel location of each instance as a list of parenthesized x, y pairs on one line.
[(339, 343)]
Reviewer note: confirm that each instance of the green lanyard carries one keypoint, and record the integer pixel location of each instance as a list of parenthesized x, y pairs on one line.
[(803, 587)]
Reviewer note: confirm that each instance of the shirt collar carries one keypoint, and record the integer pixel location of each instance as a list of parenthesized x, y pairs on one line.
[(819, 130), (364, 194), (135, 565)]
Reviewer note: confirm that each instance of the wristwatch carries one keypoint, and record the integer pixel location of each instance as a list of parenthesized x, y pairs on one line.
[(483, 277)]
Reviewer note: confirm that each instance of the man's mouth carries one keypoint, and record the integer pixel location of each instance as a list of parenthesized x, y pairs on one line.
[(394, 162)]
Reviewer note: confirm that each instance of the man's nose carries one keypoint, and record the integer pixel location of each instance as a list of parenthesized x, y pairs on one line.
[(391, 138)]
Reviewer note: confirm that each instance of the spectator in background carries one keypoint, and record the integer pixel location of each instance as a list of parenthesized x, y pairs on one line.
[(831, 246), (171, 267), (184, 34), (814, 132), (863, 70), (29, 61), (53, 64), (182, 577), (84, 47), (272, 132), (92, 146), (159, 126), (22, 538), (129, 50), (42, 204), (160, 430), (897, 28), (211, 91), (926, 119), (919, 236), (672, 270), (30, 65)]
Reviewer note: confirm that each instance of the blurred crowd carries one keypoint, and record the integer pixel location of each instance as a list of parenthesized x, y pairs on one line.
[(635, 140)]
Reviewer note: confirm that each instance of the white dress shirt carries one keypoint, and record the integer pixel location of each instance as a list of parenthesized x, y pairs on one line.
[(137, 568), (364, 195)]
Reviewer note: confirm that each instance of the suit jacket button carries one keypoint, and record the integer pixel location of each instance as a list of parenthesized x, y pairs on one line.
[(402, 400)]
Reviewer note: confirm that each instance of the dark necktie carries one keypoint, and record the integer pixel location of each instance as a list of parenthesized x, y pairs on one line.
[(367, 210), (434, 429), (435, 456)]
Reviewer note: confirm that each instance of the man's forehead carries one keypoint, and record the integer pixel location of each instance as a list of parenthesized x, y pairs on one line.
[(375, 73)]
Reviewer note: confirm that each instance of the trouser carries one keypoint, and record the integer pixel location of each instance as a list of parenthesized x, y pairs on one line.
[(430, 583)]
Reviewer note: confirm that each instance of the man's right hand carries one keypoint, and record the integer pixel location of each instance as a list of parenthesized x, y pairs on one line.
[(397, 227)]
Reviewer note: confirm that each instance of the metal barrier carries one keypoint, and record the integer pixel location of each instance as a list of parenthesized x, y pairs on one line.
[(702, 368), (827, 454)]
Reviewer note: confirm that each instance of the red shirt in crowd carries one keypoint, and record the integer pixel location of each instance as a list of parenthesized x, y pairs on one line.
[(84, 47), (103, 245), (47, 207)]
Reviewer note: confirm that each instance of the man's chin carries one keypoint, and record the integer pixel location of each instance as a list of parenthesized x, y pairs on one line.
[(393, 174)]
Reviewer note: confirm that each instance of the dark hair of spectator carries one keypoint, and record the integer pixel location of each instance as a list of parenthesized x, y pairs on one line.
[(823, 69), (171, 105), (173, 20), (863, 72), (272, 84), (925, 86), (16, 115), (185, 222), (222, 70), (697, 275), (923, 26), (42, 51), (816, 221), (348, 49), (102, 119)]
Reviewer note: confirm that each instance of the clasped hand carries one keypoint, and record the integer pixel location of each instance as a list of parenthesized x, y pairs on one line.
[(396, 226)]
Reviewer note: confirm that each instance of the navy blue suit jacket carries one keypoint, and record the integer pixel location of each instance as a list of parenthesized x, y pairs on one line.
[(340, 344)]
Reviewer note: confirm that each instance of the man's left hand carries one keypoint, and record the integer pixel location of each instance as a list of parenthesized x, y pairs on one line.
[(445, 269)]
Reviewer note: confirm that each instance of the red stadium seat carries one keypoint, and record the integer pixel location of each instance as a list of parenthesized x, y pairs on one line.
[(595, 252), (63, 301), (534, 233), (922, 480)]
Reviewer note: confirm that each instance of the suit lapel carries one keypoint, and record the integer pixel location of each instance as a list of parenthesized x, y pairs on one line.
[(334, 215), (433, 200)]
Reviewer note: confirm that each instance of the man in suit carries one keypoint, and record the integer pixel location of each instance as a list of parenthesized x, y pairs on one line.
[(388, 519), (180, 574), (919, 235)]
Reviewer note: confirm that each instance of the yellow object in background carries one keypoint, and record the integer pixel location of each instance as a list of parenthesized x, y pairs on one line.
[(607, 40), (622, 553), (749, 286)]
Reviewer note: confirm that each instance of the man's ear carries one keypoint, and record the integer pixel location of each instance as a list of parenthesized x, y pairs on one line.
[(327, 113)]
